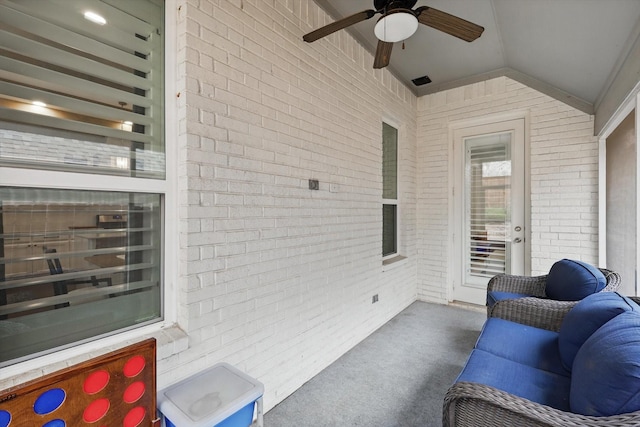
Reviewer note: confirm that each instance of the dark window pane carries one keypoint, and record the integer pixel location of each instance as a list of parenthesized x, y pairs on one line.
[(75, 265), (389, 162), (389, 239)]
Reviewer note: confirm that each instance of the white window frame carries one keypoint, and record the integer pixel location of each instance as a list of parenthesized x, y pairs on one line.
[(396, 202), (168, 188)]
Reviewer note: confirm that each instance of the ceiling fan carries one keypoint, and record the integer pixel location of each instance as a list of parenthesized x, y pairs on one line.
[(399, 22)]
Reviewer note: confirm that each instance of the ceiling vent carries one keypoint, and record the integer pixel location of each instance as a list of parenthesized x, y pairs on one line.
[(421, 80)]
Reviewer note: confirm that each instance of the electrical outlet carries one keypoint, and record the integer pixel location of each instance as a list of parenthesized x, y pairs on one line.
[(314, 184), (374, 299)]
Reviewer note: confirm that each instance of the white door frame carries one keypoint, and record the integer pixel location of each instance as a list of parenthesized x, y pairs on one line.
[(454, 266), (631, 102)]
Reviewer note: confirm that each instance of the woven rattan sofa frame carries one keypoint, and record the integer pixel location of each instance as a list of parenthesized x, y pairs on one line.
[(551, 311), (479, 405)]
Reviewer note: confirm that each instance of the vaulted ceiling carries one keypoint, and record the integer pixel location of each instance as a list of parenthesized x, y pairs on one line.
[(567, 48)]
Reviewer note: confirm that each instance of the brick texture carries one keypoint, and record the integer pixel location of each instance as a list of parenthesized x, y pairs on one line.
[(275, 278), (563, 156)]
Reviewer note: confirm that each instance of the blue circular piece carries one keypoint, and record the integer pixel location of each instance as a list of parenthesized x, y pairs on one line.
[(55, 423), (49, 401), (5, 418)]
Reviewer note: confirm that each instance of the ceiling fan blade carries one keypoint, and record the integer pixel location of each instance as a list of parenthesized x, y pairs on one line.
[(457, 27), (338, 25), (383, 54)]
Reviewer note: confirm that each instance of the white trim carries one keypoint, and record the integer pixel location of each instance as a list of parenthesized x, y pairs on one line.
[(171, 205), (627, 50), (21, 177), (86, 348), (456, 129), (637, 126), (453, 262), (393, 262), (396, 201), (621, 112), (631, 102), (527, 191), (391, 121), (602, 202)]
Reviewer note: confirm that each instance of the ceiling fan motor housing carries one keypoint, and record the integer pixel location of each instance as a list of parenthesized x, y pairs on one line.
[(385, 5)]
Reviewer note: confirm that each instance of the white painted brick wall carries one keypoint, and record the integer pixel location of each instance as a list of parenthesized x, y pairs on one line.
[(564, 183), (275, 278)]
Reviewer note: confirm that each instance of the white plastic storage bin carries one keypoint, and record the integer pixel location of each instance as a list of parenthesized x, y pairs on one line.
[(221, 396)]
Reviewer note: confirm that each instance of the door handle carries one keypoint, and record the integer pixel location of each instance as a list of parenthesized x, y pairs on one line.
[(517, 240)]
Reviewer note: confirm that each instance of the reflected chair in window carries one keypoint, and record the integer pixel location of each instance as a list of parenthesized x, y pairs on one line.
[(61, 287)]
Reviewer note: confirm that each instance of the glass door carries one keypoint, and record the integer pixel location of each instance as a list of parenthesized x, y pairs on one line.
[(490, 227), (487, 207)]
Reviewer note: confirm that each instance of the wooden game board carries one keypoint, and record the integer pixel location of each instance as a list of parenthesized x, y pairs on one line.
[(117, 389)]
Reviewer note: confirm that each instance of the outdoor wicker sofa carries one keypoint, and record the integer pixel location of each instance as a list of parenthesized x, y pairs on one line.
[(551, 310), (475, 404)]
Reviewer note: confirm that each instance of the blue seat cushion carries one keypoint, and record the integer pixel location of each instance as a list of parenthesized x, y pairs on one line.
[(534, 347), (570, 280), (521, 380), (585, 318), (495, 296), (606, 371)]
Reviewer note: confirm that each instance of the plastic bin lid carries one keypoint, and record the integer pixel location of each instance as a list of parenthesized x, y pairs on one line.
[(208, 397)]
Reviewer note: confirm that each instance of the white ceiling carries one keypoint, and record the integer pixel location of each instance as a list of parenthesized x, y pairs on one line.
[(570, 47)]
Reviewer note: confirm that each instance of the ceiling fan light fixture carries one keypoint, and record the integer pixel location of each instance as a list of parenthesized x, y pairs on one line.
[(396, 25)]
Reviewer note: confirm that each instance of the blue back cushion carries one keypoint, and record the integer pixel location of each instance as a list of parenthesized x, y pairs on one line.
[(606, 372), (570, 280), (585, 318)]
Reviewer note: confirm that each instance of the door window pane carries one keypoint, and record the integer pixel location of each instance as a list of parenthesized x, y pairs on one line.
[(75, 265), (488, 206)]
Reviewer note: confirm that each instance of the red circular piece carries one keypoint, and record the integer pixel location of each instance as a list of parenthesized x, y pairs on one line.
[(134, 417), (95, 382), (96, 410), (134, 366), (134, 392)]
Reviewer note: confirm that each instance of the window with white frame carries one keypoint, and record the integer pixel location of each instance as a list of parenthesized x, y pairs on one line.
[(81, 94), (389, 190)]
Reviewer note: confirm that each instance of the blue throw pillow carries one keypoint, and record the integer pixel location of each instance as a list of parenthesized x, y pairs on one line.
[(570, 280), (606, 374), (585, 318)]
